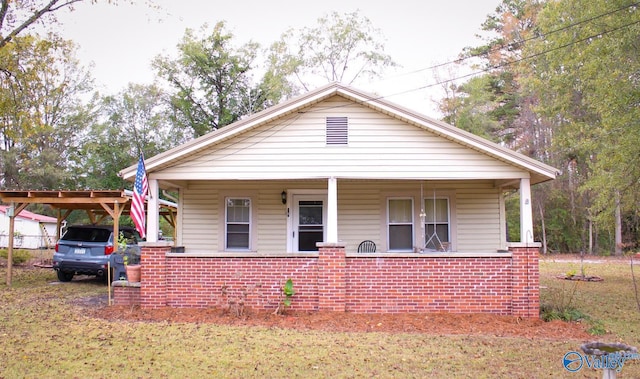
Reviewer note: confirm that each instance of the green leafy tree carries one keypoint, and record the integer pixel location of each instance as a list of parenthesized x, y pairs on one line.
[(211, 81), (495, 104), (41, 111), (471, 108), (341, 47), (585, 74), (134, 121), (499, 106)]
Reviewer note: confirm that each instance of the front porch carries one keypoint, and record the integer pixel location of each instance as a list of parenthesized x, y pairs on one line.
[(399, 216), (503, 283)]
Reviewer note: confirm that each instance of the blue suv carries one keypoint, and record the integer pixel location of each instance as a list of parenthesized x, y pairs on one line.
[(87, 249)]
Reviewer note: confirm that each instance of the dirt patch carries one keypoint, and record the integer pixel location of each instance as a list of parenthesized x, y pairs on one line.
[(436, 323), (91, 301)]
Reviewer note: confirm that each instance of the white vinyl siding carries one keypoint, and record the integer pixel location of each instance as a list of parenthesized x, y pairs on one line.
[(200, 214), (478, 212), (379, 146), (381, 153), (362, 213)]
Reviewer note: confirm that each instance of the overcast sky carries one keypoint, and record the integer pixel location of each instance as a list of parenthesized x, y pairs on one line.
[(122, 40)]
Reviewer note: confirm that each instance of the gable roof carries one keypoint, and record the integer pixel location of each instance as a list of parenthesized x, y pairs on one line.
[(25, 214), (539, 171)]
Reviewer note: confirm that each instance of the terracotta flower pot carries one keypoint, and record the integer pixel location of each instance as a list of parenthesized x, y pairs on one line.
[(133, 273)]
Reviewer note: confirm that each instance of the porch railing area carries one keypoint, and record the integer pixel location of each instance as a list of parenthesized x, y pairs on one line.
[(504, 283)]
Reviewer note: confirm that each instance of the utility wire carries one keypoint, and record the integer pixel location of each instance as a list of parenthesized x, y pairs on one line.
[(511, 62), (516, 43), (277, 127), (500, 65)]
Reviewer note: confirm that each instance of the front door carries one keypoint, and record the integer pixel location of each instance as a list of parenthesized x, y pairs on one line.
[(309, 218)]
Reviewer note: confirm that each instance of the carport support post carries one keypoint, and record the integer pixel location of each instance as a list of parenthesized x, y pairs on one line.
[(12, 219), (12, 213)]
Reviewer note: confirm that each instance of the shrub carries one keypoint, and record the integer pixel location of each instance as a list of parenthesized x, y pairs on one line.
[(19, 256), (559, 306), (550, 312)]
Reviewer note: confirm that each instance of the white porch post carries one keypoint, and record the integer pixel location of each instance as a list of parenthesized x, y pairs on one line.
[(526, 213), (332, 210), (153, 211)]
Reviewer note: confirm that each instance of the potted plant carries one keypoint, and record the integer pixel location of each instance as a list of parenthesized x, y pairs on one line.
[(130, 258)]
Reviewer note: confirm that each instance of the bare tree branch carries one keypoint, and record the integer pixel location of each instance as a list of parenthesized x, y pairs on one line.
[(52, 6)]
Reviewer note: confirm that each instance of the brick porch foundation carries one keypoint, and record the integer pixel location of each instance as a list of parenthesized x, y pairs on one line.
[(500, 283)]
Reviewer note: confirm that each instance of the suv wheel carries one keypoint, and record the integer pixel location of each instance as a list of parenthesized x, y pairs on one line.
[(64, 276)]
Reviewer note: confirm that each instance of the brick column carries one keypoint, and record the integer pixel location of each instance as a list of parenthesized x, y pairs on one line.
[(332, 291), (525, 275), (153, 283)]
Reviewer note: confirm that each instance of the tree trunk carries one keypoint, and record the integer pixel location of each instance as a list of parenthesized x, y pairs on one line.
[(544, 229), (590, 236), (618, 231)]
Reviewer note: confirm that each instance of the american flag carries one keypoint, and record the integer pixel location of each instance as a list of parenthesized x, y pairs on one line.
[(140, 188)]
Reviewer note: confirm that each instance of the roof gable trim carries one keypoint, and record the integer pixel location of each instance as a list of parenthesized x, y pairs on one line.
[(381, 105), (259, 118)]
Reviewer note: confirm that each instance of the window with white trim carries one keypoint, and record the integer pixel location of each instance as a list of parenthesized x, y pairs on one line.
[(436, 223), (400, 224), (237, 223)]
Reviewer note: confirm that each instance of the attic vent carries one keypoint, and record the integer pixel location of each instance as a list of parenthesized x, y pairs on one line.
[(337, 130)]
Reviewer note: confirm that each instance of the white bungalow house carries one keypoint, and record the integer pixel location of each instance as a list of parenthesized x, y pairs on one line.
[(293, 191), (32, 230)]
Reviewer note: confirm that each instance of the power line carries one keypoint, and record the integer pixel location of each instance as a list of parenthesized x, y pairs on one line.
[(505, 64), (515, 44)]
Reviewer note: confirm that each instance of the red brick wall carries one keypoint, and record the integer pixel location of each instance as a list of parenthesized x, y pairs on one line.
[(526, 282), (456, 285), (153, 293), (126, 295), (257, 282), (506, 284), (332, 278)]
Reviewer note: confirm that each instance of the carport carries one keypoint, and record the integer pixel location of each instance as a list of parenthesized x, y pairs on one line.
[(98, 204)]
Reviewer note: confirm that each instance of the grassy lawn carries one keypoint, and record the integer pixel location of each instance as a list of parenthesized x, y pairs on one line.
[(45, 332)]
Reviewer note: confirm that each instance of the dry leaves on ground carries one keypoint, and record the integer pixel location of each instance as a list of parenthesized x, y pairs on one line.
[(432, 323)]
